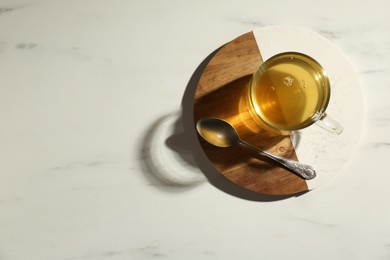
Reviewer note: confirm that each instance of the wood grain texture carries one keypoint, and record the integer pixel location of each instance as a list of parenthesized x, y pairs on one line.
[(221, 92)]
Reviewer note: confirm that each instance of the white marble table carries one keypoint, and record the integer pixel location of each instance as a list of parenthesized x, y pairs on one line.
[(84, 85)]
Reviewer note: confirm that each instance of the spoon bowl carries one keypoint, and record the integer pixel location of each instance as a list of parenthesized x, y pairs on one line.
[(217, 132)]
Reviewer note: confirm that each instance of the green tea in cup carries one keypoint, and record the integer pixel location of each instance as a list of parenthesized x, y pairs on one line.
[(290, 91)]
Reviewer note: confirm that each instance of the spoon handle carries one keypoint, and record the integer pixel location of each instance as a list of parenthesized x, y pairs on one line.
[(303, 170)]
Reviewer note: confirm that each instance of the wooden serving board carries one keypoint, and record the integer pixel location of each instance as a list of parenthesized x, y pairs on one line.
[(221, 92)]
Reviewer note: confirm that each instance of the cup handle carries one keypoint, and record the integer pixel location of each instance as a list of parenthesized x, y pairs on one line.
[(329, 124)]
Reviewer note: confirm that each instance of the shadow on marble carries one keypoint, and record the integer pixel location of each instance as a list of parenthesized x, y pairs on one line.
[(179, 138), (167, 162)]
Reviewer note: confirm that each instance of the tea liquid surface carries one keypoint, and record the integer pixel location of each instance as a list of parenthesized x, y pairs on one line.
[(288, 94)]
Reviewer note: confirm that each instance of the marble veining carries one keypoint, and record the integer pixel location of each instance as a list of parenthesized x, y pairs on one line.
[(104, 255), (83, 84), (5, 10), (315, 222), (24, 46), (83, 164)]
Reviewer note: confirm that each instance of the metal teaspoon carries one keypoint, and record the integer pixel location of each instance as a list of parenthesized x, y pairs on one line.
[(220, 133)]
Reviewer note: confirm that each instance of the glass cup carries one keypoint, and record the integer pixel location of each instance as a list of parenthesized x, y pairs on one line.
[(290, 91)]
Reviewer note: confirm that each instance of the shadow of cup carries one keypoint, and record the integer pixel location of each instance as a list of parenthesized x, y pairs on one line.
[(167, 155)]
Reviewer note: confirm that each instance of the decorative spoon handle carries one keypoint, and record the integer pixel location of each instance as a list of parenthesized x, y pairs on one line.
[(303, 170)]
